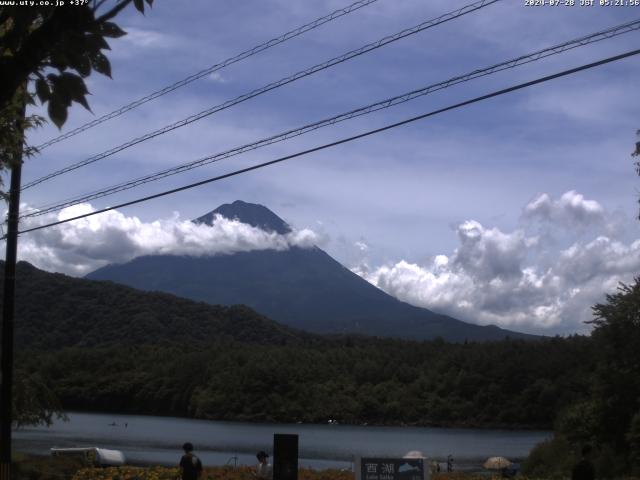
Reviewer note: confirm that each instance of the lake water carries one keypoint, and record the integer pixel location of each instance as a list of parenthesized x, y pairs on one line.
[(158, 440)]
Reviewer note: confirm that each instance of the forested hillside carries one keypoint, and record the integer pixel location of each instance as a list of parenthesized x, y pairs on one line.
[(105, 347), (352, 380), (55, 311)]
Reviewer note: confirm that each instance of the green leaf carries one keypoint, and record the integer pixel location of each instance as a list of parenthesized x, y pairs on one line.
[(82, 101), (59, 60), (74, 88), (60, 91), (95, 42), (42, 90), (101, 64), (73, 83), (57, 112), (139, 4), (80, 63), (110, 29)]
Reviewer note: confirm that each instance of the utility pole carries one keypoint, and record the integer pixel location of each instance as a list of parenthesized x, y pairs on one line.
[(8, 306)]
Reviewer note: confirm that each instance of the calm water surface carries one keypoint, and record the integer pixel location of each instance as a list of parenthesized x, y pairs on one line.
[(147, 439)]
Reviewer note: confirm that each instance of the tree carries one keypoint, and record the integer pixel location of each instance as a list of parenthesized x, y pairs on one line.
[(34, 402), (51, 50), (48, 44), (45, 52), (617, 379), (636, 153)]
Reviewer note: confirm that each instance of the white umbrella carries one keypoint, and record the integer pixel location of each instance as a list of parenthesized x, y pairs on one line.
[(496, 463), (414, 454)]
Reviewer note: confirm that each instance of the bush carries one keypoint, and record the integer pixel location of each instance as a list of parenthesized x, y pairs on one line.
[(43, 468), (550, 459)]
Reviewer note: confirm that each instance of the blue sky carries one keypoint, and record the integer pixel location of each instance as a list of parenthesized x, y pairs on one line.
[(518, 211)]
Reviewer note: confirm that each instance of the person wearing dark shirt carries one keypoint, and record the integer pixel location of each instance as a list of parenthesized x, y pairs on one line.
[(190, 465), (583, 470)]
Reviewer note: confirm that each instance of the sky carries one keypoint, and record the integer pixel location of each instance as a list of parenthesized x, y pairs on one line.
[(519, 211)]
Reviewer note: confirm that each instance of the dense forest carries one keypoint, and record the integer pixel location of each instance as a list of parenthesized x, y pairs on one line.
[(351, 380), (608, 416), (103, 347)]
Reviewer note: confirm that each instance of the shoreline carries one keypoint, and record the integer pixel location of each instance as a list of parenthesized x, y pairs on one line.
[(150, 440), (292, 422)]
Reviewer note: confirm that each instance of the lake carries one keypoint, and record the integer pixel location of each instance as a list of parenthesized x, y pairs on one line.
[(158, 440)]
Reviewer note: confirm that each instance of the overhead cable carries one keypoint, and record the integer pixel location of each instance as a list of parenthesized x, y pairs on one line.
[(342, 141), (208, 71), (389, 102), (271, 86)]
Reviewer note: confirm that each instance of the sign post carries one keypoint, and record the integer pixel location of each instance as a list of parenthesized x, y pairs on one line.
[(285, 456), (370, 468)]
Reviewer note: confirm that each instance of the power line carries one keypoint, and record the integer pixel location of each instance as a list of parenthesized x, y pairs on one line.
[(271, 86), (345, 140), (207, 71), (389, 102)]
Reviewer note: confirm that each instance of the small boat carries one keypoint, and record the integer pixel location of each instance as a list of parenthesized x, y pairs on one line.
[(99, 457)]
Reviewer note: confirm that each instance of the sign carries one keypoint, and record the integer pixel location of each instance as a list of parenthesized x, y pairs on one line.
[(368, 468), (285, 456)]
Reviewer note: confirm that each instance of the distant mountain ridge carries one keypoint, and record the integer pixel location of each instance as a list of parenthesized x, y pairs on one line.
[(301, 287), (55, 311)]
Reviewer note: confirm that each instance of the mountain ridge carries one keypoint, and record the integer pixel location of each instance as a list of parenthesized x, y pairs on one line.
[(304, 288), (55, 311)]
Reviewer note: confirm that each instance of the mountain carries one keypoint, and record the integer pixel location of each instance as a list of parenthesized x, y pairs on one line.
[(255, 215), (301, 287), (54, 311), (103, 347)]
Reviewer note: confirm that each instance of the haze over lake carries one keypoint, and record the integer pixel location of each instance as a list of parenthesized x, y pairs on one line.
[(147, 439)]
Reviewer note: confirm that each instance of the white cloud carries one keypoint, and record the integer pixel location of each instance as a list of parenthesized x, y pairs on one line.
[(218, 77), (571, 208), (145, 38), (510, 280), (83, 245)]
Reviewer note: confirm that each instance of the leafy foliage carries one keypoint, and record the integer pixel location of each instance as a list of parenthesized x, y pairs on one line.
[(636, 153), (106, 347), (27, 467), (218, 473), (46, 51), (551, 459), (34, 402), (608, 415), (57, 47), (112, 348)]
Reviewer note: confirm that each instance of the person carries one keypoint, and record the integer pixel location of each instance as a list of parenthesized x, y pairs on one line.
[(190, 465), (583, 470), (263, 470), (449, 463)]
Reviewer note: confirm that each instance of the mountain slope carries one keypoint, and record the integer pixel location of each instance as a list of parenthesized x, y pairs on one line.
[(301, 287), (55, 311)]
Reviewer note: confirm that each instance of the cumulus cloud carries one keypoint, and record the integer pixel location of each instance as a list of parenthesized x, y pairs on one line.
[(508, 279), (83, 245), (571, 208)]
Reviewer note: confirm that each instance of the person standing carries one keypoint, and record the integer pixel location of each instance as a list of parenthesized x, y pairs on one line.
[(190, 465), (584, 470), (263, 470)]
